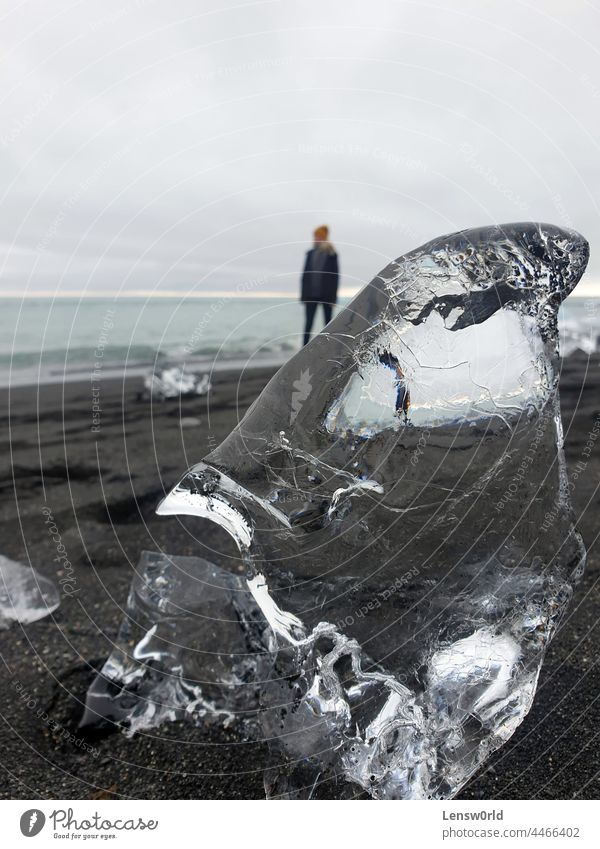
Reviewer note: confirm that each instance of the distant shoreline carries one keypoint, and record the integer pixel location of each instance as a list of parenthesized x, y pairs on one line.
[(30, 377)]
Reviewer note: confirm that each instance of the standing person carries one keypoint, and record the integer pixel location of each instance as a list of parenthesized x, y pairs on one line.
[(319, 279)]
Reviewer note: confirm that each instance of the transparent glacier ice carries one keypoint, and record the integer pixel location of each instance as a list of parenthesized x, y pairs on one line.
[(387, 493), (25, 595), (190, 645), (173, 382)]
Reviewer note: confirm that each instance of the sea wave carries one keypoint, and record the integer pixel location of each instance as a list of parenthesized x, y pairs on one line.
[(81, 356)]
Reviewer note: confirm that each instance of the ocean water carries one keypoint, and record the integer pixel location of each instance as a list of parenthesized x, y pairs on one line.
[(47, 340)]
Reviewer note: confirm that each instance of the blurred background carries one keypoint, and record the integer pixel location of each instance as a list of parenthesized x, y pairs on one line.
[(165, 164)]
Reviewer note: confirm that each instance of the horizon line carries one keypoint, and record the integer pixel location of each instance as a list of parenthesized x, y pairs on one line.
[(344, 292), (175, 293)]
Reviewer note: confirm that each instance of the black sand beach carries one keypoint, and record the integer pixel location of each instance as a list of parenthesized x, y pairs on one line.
[(102, 487)]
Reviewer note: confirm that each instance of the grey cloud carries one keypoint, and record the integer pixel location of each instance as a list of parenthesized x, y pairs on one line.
[(178, 146)]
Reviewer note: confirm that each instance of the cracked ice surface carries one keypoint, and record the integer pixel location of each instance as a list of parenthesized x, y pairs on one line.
[(25, 595), (191, 645), (387, 492)]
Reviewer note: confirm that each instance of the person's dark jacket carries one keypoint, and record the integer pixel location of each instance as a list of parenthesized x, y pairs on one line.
[(320, 285)]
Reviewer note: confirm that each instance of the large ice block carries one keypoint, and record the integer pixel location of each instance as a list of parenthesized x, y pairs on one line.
[(388, 493)]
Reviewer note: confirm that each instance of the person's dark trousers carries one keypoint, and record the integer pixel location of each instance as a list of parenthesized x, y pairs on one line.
[(311, 309)]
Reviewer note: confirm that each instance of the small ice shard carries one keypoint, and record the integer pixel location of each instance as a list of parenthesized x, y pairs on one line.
[(190, 646), (174, 382), (389, 492), (25, 595)]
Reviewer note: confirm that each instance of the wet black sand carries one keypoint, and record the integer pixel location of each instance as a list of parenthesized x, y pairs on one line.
[(101, 489)]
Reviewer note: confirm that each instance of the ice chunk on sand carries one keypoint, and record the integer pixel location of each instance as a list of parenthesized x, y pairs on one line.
[(399, 496), (25, 595)]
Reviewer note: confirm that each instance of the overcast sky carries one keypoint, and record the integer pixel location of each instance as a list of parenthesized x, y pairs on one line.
[(193, 146)]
